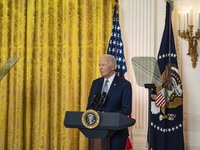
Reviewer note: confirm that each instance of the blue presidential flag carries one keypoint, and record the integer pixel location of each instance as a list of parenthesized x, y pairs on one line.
[(166, 116)]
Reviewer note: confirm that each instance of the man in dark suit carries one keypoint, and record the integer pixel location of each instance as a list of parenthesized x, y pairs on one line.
[(118, 97)]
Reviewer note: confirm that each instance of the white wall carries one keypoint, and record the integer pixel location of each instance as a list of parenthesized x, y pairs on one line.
[(142, 23)]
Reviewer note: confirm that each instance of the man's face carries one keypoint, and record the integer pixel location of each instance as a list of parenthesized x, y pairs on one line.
[(106, 67)]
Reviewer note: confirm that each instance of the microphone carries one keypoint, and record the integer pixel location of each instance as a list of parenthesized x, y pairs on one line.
[(102, 99), (94, 100), (98, 101)]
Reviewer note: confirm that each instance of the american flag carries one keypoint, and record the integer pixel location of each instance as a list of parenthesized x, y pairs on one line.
[(116, 48), (161, 98)]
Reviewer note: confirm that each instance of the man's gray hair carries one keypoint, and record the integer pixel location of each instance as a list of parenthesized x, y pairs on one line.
[(111, 58)]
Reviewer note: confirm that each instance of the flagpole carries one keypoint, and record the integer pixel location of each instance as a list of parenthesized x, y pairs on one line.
[(169, 67)]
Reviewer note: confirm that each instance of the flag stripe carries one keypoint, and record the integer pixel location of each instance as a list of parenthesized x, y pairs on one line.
[(160, 99)]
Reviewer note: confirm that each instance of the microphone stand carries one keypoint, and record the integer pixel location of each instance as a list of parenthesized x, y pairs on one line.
[(150, 87)]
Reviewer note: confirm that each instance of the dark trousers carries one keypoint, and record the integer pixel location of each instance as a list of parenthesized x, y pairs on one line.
[(118, 140)]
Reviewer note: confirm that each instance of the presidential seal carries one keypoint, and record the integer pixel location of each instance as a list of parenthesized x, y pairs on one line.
[(90, 119)]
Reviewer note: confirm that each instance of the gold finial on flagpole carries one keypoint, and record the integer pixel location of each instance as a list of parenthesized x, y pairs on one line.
[(171, 2), (116, 3)]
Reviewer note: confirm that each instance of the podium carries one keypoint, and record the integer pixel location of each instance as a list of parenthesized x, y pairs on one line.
[(108, 124)]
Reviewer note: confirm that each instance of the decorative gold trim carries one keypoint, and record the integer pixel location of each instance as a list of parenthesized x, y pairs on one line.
[(90, 119), (192, 43)]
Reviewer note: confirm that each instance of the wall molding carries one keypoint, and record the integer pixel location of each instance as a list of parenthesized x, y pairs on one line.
[(140, 139), (191, 125)]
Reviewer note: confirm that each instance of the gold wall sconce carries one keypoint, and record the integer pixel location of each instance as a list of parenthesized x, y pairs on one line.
[(187, 34)]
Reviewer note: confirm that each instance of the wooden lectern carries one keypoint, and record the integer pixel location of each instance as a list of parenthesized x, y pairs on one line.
[(108, 124)]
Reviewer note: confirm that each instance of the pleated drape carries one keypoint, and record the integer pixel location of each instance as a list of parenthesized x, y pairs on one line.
[(58, 43)]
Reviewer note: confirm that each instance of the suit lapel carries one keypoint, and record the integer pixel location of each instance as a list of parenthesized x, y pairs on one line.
[(101, 84), (113, 86)]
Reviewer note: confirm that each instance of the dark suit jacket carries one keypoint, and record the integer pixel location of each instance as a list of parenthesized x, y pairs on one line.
[(119, 99)]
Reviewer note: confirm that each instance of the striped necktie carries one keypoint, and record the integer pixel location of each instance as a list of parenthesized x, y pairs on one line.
[(105, 87)]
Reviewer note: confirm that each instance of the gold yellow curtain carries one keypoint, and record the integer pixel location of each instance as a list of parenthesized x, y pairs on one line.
[(58, 43)]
